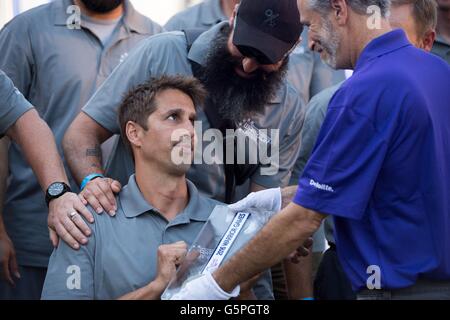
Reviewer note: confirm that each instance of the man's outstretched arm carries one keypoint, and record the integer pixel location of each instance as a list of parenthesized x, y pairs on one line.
[(284, 233)]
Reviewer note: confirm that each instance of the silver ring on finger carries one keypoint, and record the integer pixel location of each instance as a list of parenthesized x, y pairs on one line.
[(73, 215)]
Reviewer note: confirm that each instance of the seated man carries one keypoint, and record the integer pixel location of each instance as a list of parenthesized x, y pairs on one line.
[(134, 255)]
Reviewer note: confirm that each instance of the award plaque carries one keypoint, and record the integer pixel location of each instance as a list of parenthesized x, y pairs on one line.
[(224, 234)]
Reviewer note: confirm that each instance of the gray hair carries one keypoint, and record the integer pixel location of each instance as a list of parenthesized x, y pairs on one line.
[(359, 6)]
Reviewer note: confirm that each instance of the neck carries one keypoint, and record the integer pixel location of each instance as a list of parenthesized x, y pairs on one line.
[(364, 38), (228, 6), (443, 24), (111, 15), (166, 193)]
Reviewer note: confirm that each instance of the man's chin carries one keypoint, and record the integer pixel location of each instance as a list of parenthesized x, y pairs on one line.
[(180, 170)]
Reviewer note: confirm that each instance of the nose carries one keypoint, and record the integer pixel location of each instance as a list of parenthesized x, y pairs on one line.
[(249, 65)]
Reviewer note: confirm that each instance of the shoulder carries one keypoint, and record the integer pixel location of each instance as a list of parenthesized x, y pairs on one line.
[(184, 19), (165, 43), (319, 103), (23, 21)]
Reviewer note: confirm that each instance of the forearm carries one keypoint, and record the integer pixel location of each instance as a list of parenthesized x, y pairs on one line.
[(82, 149), (281, 236), (38, 145), (152, 291)]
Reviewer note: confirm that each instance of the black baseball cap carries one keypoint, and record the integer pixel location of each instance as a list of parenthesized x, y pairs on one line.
[(267, 29)]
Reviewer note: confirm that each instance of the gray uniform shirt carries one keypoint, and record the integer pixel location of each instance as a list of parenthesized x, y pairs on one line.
[(441, 48), (121, 255), (12, 104), (315, 115), (167, 54), (203, 15), (57, 69)]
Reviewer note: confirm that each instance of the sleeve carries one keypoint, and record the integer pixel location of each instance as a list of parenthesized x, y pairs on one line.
[(134, 70), (285, 149), (70, 273), (173, 24), (315, 115), (12, 104), (342, 171), (16, 55)]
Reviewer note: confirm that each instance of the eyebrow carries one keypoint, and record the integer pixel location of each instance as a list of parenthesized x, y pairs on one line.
[(180, 111)]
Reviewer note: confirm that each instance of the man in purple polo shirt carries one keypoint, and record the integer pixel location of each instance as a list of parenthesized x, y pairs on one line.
[(380, 166)]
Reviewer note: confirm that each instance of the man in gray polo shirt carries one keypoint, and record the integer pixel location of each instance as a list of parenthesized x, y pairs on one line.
[(20, 122), (307, 73), (159, 206), (57, 55)]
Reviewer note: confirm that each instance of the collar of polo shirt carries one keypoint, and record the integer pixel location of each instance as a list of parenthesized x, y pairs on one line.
[(132, 19), (133, 204)]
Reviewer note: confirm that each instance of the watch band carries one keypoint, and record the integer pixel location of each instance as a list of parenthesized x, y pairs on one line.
[(49, 197)]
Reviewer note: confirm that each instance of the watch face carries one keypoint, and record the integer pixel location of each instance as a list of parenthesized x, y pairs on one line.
[(55, 189)]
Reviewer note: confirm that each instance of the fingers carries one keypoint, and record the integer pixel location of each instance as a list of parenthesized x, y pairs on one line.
[(80, 226), (66, 237), (53, 237), (6, 273), (82, 210), (13, 265), (83, 200), (116, 186), (71, 227), (99, 194)]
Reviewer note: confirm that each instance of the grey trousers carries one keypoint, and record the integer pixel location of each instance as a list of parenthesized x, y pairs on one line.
[(421, 290)]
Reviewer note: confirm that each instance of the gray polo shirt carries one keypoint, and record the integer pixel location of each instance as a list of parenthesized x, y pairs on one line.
[(12, 104), (315, 115), (203, 15), (57, 69), (167, 54), (121, 255), (441, 48)]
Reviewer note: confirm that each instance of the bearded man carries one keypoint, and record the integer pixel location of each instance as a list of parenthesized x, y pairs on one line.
[(242, 63), (57, 67)]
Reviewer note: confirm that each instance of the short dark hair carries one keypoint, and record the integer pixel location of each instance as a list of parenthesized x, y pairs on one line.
[(424, 13), (139, 103)]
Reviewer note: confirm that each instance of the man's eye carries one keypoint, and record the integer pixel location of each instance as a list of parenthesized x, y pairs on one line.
[(172, 117)]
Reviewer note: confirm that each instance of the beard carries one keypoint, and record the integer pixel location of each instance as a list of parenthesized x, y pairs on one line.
[(329, 43), (236, 98), (102, 6)]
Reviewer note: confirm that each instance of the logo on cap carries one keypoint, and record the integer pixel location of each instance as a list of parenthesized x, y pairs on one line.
[(272, 18)]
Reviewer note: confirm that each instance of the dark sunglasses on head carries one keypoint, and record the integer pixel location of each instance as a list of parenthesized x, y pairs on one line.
[(253, 53)]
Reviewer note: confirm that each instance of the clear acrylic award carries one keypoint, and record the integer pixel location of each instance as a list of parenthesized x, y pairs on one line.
[(224, 234)]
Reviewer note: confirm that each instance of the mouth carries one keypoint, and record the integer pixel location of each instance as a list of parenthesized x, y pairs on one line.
[(184, 146), (241, 73)]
